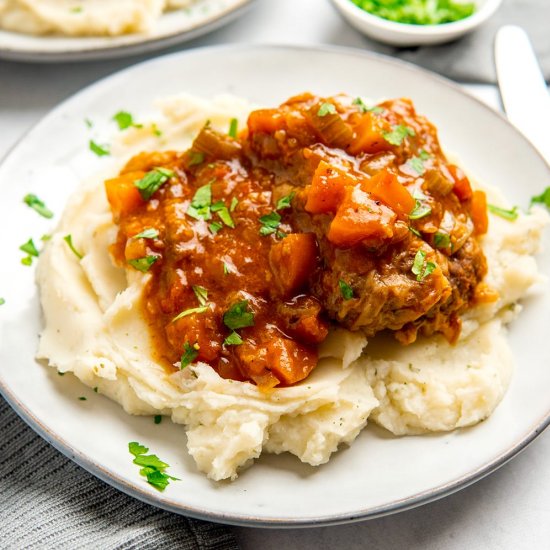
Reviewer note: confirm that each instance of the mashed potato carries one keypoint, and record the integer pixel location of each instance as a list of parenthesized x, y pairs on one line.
[(95, 330), (84, 18)]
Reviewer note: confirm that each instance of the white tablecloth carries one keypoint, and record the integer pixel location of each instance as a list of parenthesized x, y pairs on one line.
[(509, 509)]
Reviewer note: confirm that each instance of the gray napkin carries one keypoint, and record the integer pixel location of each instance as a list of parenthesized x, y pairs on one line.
[(470, 59), (47, 501)]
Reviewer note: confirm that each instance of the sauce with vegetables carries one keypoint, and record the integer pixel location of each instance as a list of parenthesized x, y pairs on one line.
[(322, 210)]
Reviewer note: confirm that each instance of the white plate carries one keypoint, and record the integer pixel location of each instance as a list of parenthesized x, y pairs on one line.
[(172, 28), (379, 474)]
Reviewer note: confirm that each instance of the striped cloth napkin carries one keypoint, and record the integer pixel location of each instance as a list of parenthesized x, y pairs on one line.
[(48, 502)]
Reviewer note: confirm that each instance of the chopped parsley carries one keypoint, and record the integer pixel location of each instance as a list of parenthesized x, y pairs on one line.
[(157, 419), (190, 311), (196, 157), (190, 353), (143, 264), (95, 389), (442, 240), (88, 122), (421, 208), (233, 340), (36, 204), (284, 202), (509, 215), (215, 227), (45, 237), (223, 213), (152, 468), (398, 134), (27, 260), (2, 301), (364, 108), (152, 181), (233, 128), (234, 203), (156, 130), (418, 12), (270, 222), (345, 290), (69, 240), (201, 202), (238, 316), (326, 109), (417, 163), (99, 150), (29, 248), (149, 233), (82, 398), (201, 293), (543, 198), (125, 120), (420, 267)]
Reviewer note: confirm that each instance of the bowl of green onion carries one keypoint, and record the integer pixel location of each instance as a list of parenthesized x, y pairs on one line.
[(416, 22)]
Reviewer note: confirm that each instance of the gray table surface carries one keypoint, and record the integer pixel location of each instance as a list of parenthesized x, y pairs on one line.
[(509, 509)]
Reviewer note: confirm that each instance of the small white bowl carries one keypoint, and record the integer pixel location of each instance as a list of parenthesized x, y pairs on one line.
[(402, 34)]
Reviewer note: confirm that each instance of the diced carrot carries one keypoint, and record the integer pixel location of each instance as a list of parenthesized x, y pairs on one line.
[(368, 136), (292, 260), (122, 194), (462, 188), (479, 212), (384, 186), (359, 217), (265, 121), (327, 188), (289, 361)]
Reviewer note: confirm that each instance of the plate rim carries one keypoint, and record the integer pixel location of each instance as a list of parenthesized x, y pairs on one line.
[(136, 47), (160, 501)]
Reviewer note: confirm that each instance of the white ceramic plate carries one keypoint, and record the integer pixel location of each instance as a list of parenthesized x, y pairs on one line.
[(172, 28), (378, 474)]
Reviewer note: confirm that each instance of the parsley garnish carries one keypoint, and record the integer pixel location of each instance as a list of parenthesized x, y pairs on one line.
[(82, 398), (153, 469), (200, 204), (143, 264), (238, 316), (233, 340), (326, 109), (345, 290), (152, 181), (543, 198), (29, 248), (442, 240), (190, 353), (223, 213), (421, 209), (157, 419), (99, 150), (233, 127), (284, 202), (398, 134), (149, 233), (69, 240), (234, 203), (364, 108), (420, 267), (36, 204), (270, 223), (190, 311), (201, 293), (125, 120), (196, 157), (2, 301), (215, 227), (509, 215)]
